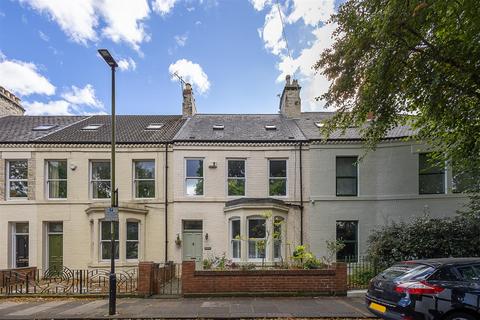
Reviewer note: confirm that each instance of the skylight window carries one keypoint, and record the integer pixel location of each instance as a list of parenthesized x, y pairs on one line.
[(44, 127), (92, 127), (319, 124), (154, 126), (270, 127), (218, 127)]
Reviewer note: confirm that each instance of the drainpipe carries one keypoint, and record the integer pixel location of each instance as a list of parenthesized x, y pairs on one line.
[(301, 195), (166, 202)]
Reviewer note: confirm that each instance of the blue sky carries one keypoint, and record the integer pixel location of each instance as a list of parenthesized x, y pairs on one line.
[(231, 50)]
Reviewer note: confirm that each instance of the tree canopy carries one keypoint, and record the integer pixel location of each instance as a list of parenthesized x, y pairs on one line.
[(409, 62)]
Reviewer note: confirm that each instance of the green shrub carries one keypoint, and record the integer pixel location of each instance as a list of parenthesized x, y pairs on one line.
[(425, 237)]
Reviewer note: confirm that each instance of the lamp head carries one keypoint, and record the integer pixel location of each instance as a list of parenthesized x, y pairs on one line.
[(108, 58)]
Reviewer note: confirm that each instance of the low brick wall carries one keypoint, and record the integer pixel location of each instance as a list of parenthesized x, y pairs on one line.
[(11, 276), (151, 276), (264, 282)]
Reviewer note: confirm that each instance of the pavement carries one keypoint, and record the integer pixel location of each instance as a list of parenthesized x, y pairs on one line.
[(138, 308)]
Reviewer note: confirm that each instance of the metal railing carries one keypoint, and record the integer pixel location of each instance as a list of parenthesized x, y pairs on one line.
[(168, 279), (66, 281), (360, 270)]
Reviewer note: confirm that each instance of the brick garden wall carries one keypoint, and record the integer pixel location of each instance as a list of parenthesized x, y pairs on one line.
[(264, 282)]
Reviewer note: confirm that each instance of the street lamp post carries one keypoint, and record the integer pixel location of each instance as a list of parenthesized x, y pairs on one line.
[(112, 298)]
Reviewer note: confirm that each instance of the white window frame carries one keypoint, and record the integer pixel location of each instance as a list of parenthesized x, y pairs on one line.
[(278, 178), (186, 177), (92, 181), (137, 240), (47, 179), (8, 180), (135, 180), (101, 241), (232, 240), (237, 178), (14, 234), (257, 239)]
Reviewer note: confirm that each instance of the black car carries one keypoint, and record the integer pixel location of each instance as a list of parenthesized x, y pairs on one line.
[(427, 289)]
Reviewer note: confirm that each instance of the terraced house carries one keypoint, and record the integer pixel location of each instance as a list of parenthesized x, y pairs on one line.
[(191, 186)]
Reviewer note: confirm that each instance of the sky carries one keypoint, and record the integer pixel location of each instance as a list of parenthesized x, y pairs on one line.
[(232, 51)]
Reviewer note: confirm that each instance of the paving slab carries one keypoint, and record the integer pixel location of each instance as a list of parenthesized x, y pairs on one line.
[(138, 308)]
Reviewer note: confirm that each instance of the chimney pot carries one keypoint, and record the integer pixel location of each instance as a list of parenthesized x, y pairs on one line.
[(188, 105)]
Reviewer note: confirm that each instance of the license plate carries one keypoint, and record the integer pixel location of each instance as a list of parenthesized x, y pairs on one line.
[(378, 307)]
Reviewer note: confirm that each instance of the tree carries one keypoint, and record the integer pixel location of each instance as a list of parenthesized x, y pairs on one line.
[(413, 63)]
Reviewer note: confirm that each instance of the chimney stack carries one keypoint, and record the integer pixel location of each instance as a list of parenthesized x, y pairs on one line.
[(10, 104), (188, 105), (290, 102)]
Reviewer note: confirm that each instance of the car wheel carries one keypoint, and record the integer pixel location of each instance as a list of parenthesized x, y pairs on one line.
[(460, 316)]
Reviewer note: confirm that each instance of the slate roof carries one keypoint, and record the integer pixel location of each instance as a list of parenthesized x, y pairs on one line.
[(19, 129), (239, 128), (129, 129), (308, 127)]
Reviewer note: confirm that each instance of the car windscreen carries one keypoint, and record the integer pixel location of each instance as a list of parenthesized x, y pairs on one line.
[(407, 272)]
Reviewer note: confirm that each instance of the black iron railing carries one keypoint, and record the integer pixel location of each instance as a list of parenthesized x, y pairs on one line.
[(360, 270)]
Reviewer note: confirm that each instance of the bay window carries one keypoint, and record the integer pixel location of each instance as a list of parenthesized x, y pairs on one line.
[(105, 242), (57, 179), (277, 237), (235, 238), (132, 240), (256, 238)]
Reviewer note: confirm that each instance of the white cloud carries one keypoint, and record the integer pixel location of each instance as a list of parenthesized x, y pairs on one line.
[(260, 4), (127, 64), (57, 108), (313, 14), (82, 96), (163, 7), (43, 36), (77, 19), (23, 78), (181, 39), (192, 73), (272, 32), (124, 20)]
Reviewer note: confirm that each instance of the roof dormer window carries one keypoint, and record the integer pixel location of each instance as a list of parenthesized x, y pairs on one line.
[(319, 124), (270, 127), (92, 127), (44, 127), (154, 126), (218, 127)]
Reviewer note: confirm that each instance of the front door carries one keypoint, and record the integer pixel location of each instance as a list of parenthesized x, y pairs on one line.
[(193, 242), (55, 246)]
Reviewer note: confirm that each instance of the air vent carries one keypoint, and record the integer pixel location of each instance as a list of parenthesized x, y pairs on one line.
[(44, 127), (270, 127), (319, 124), (218, 127), (154, 126), (92, 127)]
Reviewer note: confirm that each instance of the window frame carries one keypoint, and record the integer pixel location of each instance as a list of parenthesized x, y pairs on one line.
[(256, 240), (232, 240), (280, 239), (47, 179), (356, 241), (278, 178), (420, 174), (132, 240), (186, 178), (101, 241), (8, 180), (237, 178), (102, 180), (347, 177), (135, 180)]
